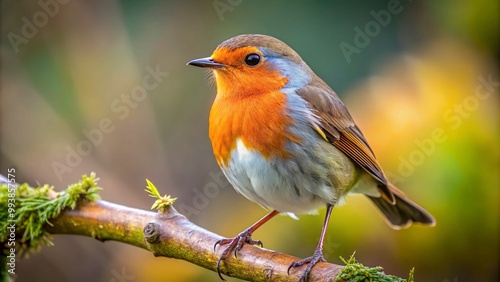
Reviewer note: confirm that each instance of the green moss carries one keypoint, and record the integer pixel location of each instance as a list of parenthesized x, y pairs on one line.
[(25, 210), (356, 272)]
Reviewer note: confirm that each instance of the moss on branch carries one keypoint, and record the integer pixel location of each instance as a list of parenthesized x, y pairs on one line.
[(40, 212)]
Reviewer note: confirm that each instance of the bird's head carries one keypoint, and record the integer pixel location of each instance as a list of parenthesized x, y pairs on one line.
[(253, 64)]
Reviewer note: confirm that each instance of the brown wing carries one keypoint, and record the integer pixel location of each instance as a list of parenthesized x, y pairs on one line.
[(341, 131)]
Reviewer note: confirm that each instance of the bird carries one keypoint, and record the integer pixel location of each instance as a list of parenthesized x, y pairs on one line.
[(285, 140)]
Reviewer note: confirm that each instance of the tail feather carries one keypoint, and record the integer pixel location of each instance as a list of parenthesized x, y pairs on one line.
[(404, 212)]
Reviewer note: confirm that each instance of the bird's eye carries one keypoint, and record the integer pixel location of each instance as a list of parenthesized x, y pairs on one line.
[(252, 59)]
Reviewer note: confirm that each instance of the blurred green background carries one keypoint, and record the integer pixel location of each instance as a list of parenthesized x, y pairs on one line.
[(422, 84)]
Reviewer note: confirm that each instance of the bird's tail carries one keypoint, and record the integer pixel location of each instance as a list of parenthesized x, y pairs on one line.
[(403, 212)]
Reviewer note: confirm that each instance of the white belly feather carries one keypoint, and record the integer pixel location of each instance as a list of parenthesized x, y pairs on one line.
[(271, 185)]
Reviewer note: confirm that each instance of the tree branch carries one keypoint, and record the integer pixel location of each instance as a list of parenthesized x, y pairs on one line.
[(170, 234)]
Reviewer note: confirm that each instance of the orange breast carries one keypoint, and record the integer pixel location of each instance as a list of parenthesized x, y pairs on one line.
[(259, 120)]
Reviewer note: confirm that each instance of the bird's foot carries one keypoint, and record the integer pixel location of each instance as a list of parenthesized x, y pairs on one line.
[(235, 244), (312, 261)]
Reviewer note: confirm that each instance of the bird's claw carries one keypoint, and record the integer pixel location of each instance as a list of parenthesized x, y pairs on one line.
[(311, 261), (235, 244)]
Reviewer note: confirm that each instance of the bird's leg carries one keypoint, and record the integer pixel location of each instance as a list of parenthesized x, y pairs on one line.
[(237, 242), (318, 254)]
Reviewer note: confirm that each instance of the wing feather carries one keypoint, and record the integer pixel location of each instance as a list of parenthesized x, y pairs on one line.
[(340, 130)]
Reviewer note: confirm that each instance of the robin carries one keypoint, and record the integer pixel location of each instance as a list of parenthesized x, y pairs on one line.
[(286, 141)]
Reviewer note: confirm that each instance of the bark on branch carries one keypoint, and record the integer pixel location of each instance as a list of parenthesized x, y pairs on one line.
[(170, 234)]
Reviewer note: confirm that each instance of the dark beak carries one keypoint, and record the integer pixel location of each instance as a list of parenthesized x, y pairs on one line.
[(206, 63)]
